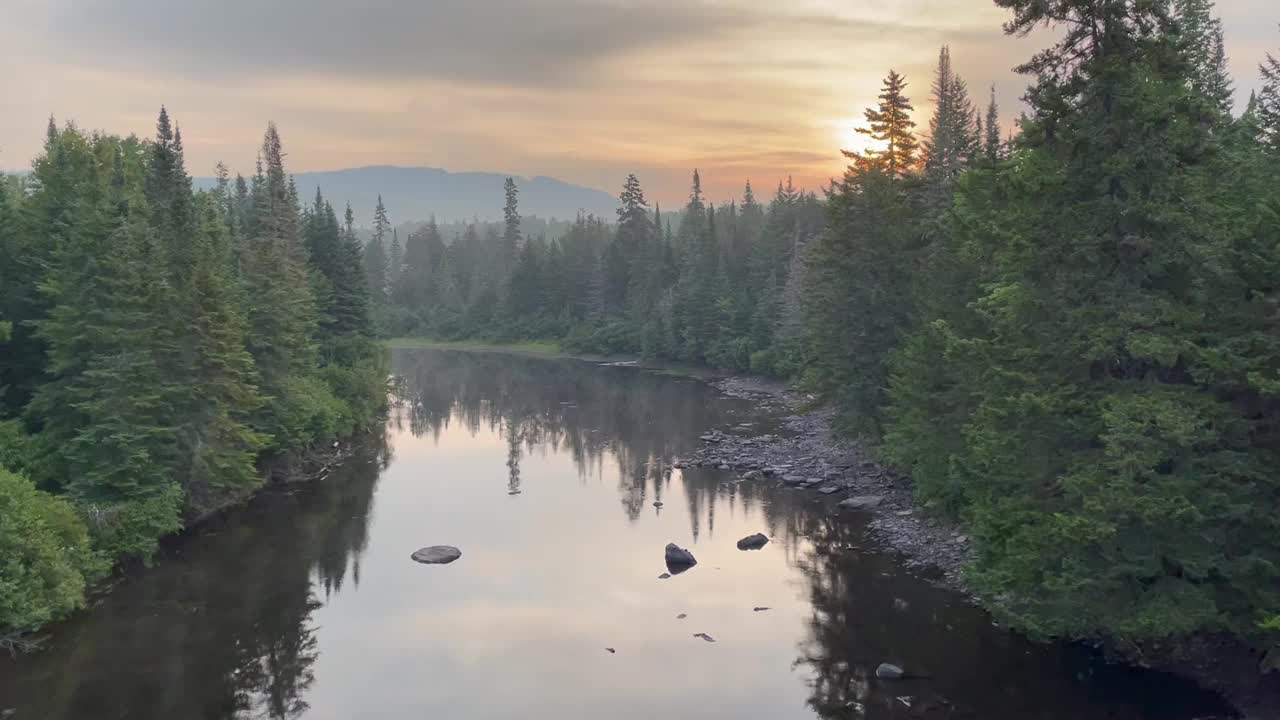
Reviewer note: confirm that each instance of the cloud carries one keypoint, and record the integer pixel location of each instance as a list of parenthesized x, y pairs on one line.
[(497, 42), (582, 90)]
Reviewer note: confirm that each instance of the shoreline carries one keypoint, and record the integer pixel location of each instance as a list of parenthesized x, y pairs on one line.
[(809, 457), (835, 468)]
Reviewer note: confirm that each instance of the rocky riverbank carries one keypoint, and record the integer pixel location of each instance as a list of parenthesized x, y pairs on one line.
[(803, 453)]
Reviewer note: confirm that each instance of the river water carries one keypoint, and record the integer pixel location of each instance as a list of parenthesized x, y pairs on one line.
[(545, 473)]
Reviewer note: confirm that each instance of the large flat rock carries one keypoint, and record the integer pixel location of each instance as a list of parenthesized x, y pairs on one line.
[(436, 555)]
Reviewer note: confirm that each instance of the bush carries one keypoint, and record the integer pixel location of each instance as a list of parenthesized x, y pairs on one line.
[(133, 528), (17, 449), (45, 556)]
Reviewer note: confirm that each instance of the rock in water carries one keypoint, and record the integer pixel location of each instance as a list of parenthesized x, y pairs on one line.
[(753, 542), (860, 502), (885, 671), (704, 636), (681, 616), (610, 650), (759, 608), (664, 576), (679, 557), (437, 555)]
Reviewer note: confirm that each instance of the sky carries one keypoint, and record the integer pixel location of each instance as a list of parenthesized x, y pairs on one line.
[(582, 90)]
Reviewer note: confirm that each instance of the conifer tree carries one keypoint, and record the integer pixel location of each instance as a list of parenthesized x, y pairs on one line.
[(107, 404), (890, 123), (395, 261), (991, 145), (376, 264), (1202, 41), (281, 307), (1268, 101), (951, 138)]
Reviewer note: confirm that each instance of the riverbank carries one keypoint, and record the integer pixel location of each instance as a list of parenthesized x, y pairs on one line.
[(806, 455), (809, 457)]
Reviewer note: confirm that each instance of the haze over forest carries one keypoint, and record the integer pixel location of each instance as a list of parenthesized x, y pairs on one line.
[(1038, 341), (579, 90)]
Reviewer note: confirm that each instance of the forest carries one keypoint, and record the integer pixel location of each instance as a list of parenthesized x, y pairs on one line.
[(1066, 332), (164, 350)]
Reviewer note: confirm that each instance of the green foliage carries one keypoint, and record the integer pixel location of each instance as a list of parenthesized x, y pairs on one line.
[(45, 556), (709, 293), (156, 342)]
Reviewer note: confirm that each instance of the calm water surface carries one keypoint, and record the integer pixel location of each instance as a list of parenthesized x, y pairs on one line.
[(545, 474)]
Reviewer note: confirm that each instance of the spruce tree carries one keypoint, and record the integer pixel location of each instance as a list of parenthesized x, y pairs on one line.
[(991, 144), (280, 303), (951, 137), (107, 404), (1268, 101), (890, 123), (375, 255), (1202, 41)]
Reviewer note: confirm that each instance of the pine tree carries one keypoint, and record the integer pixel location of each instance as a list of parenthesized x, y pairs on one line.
[(1099, 451), (218, 447), (281, 306), (951, 137), (376, 265), (991, 146), (890, 123), (395, 261), (632, 273), (510, 245), (1268, 101), (1202, 41), (106, 405)]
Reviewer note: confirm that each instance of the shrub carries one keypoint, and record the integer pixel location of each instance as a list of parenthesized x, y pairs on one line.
[(45, 555)]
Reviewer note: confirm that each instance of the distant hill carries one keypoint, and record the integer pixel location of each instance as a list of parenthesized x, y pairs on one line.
[(415, 193)]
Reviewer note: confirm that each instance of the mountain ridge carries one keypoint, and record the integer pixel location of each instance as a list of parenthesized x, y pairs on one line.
[(412, 192)]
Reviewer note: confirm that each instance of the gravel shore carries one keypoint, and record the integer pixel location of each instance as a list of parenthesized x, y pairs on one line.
[(805, 454)]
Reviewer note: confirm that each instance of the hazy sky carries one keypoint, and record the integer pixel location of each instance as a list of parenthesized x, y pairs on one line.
[(582, 90)]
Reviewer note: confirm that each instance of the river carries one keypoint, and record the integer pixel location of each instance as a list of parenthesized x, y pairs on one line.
[(545, 472)]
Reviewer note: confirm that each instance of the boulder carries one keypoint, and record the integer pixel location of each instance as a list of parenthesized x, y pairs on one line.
[(861, 502), (677, 556), (436, 555), (886, 671), (753, 542)]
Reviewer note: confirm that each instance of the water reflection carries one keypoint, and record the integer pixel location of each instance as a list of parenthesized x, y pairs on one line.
[(221, 626), (305, 605)]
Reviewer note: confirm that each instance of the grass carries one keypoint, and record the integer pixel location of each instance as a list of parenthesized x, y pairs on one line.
[(550, 349), (523, 347)]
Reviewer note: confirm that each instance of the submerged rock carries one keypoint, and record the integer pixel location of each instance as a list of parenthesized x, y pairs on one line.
[(610, 650), (704, 636), (678, 557), (436, 555), (861, 502), (759, 608), (753, 542), (681, 616), (664, 576), (887, 671), (657, 503)]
